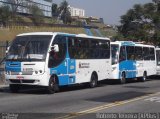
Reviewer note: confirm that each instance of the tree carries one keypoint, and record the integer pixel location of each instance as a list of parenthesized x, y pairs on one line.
[(37, 14), (5, 14), (14, 6), (54, 10), (64, 12), (141, 23)]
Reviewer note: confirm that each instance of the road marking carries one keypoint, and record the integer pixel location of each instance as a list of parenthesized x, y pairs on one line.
[(106, 106), (153, 99)]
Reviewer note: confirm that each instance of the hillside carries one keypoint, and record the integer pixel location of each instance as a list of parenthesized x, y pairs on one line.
[(10, 32)]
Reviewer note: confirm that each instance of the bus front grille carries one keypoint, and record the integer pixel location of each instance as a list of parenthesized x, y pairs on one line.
[(21, 81)]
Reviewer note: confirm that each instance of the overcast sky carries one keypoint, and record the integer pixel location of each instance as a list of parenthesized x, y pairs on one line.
[(110, 10)]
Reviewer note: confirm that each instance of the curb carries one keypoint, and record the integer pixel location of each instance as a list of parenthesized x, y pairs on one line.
[(4, 86)]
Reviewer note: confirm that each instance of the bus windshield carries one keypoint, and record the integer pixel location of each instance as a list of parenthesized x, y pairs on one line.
[(158, 57), (115, 50), (29, 48)]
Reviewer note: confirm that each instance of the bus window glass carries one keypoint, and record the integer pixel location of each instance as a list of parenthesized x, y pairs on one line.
[(138, 53), (115, 50), (84, 48), (105, 46), (130, 52), (72, 47), (122, 55), (146, 53), (78, 48), (158, 57), (29, 48), (152, 54), (56, 58), (94, 49)]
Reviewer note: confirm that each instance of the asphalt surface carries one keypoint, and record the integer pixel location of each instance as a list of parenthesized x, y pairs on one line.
[(108, 100)]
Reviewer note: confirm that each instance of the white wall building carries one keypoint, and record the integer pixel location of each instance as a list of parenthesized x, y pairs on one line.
[(77, 12)]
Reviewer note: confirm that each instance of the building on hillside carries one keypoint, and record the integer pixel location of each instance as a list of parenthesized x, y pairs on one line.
[(23, 5), (77, 12)]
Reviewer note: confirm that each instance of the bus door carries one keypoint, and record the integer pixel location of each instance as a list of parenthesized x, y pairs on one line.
[(58, 61), (130, 64)]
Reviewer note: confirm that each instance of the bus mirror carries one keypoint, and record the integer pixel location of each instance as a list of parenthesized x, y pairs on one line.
[(7, 49), (55, 48)]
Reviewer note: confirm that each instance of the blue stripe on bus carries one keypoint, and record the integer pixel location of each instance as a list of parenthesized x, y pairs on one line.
[(13, 66), (129, 67), (65, 72)]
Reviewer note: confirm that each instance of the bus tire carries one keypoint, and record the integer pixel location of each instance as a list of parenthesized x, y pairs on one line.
[(53, 85), (14, 88), (123, 78), (144, 78), (94, 81)]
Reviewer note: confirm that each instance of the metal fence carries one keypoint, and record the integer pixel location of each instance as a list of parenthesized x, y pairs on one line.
[(3, 47)]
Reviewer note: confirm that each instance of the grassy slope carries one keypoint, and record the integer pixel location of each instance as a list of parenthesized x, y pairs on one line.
[(10, 33)]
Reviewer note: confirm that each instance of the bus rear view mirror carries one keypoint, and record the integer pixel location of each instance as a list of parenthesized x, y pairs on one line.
[(7, 50), (55, 48)]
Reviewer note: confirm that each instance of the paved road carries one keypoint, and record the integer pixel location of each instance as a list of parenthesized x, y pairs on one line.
[(81, 102)]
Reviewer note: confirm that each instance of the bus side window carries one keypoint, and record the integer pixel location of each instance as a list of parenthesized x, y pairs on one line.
[(122, 55), (130, 52), (56, 58), (146, 53), (72, 43), (138, 53), (152, 54)]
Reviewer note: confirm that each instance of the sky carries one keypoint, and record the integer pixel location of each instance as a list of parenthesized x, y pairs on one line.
[(109, 10)]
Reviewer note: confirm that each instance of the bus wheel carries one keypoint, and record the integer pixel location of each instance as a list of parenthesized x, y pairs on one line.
[(123, 78), (93, 82), (144, 78), (14, 88), (53, 85)]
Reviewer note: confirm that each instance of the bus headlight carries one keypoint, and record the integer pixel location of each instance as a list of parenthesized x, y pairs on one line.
[(38, 72), (113, 68)]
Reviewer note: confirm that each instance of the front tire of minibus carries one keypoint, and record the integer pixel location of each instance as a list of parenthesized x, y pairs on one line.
[(53, 85), (14, 88), (144, 78), (123, 78)]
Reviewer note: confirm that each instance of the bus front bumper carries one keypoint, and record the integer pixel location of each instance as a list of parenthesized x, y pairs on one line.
[(40, 80)]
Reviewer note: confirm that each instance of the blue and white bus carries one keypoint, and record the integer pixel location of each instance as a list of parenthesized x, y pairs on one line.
[(132, 60), (57, 59)]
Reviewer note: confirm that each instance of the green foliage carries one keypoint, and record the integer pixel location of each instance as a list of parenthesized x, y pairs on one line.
[(54, 10), (14, 7), (64, 12), (5, 15), (37, 15), (141, 23)]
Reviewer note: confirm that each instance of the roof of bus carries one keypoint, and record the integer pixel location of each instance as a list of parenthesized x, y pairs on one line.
[(37, 33), (130, 43), (55, 33), (157, 48)]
